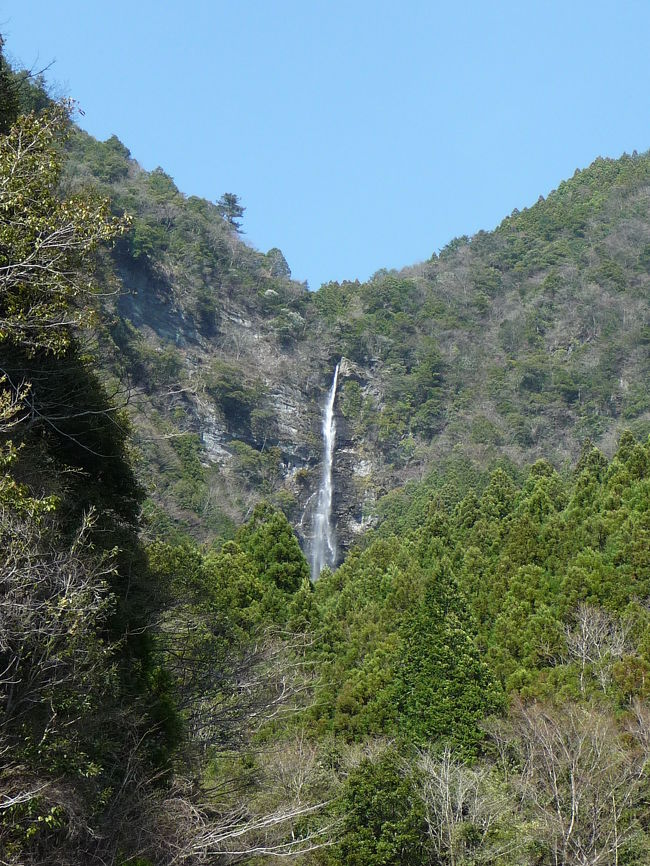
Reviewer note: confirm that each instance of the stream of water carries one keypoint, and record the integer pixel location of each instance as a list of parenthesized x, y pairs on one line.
[(323, 551)]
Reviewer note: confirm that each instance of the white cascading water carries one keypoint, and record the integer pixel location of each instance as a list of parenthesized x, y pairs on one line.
[(323, 550)]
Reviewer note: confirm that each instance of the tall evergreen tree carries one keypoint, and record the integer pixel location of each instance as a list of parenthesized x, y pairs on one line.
[(443, 687)]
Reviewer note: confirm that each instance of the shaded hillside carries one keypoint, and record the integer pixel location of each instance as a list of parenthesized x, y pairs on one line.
[(516, 343)]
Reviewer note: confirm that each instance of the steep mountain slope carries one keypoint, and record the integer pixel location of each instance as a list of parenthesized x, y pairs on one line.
[(513, 344)]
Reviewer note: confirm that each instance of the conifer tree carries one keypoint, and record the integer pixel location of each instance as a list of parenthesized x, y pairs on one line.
[(443, 687)]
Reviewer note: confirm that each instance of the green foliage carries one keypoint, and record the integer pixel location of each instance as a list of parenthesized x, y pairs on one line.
[(383, 820), (270, 542), (226, 384), (148, 239), (278, 264), (206, 309), (9, 102), (110, 160), (481, 587), (226, 607), (442, 688), (351, 399), (189, 490), (332, 300), (260, 469), (45, 244), (485, 432), (231, 210)]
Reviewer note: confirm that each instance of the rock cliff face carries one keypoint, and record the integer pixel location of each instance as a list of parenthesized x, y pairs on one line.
[(355, 468), (292, 385), (297, 402), (352, 472)]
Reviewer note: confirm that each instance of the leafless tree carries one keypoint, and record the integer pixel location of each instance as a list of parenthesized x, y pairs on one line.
[(54, 602), (48, 245), (470, 817), (227, 691), (188, 833), (597, 639), (582, 779), (293, 768)]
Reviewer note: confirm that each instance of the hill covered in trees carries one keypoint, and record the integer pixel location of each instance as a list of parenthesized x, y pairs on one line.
[(511, 345), (472, 684)]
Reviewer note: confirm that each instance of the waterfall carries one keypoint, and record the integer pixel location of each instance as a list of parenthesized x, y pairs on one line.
[(323, 551)]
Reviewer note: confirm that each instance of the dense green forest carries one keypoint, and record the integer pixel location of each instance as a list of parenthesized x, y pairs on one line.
[(471, 684)]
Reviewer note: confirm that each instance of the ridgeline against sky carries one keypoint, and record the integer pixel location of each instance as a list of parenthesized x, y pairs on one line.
[(358, 136)]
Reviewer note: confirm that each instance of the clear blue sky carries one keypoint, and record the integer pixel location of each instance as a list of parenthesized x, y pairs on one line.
[(360, 134)]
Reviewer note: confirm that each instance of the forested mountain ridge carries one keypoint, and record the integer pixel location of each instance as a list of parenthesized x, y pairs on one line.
[(513, 344), (470, 685)]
